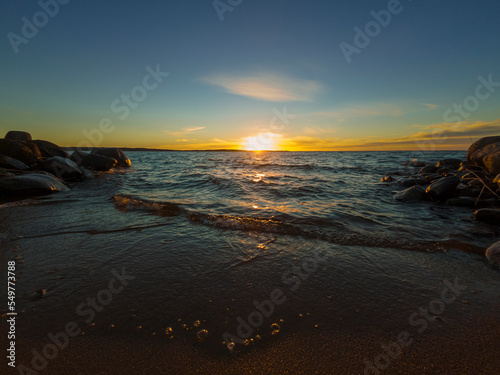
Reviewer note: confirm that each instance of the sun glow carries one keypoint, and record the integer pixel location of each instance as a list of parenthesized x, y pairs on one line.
[(262, 142)]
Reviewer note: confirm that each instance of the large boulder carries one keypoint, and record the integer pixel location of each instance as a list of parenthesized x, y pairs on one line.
[(496, 180), (11, 163), (114, 153), (93, 161), (18, 136), (443, 188), (63, 168), (18, 150), (493, 254), (49, 149), (480, 143), (414, 193), (31, 184), (478, 156), (492, 162)]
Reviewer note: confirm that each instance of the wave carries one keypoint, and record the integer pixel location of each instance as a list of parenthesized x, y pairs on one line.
[(313, 228)]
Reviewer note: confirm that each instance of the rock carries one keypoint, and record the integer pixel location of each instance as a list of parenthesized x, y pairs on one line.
[(428, 169), (114, 153), (488, 202), (414, 193), (478, 156), (496, 180), (17, 150), (416, 163), (493, 253), (461, 202), (93, 161), (31, 184), (63, 168), (464, 191), (480, 143), (49, 149), (432, 176), (443, 171), (492, 162), (450, 163), (18, 136), (408, 182), (387, 179), (11, 163), (443, 187), (488, 214)]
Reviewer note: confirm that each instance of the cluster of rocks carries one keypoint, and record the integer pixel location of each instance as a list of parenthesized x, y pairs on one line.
[(35, 167), (473, 183)]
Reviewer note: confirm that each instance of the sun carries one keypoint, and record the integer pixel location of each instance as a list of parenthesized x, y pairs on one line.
[(261, 142)]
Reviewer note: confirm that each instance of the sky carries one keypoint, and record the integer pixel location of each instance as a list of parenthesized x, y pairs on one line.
[(252, 74)]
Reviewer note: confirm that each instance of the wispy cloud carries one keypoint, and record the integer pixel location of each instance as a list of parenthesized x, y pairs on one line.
[(269, 87), (183, 132), (357, 111), (429, 106), (189, 130)]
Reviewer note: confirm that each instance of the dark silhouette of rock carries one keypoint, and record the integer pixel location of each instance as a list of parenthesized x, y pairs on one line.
[(488, 214), (461, 202), (387, 179), (414, 193), (450, 163), (114, 153), (443, 188), (29, 185), (63, 168), (428, 169), (480, 143), (92, 161), (49, 149), (493, 254), (17, 150), (14, 135), (11, 163)]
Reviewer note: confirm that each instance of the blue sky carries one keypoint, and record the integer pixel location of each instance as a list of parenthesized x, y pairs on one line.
[(229, 78)]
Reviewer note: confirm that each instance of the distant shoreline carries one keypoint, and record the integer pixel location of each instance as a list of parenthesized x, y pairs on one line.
[(232, 150)]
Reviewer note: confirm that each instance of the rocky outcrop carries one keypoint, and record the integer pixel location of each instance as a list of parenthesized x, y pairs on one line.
[(18, 136), (49, 149), (11, 163), (114, 153), (30, 185), (18, 150)]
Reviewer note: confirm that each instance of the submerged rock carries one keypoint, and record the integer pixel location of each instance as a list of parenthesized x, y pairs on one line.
[(416, 163), (14, 135), (62, 168), (493, 254), (31, 184), (18, 150), (114, 153), (93, 161), (387, 179), (49, 149), (414, 193), (11, 163), (443, 187), (461, 202)]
